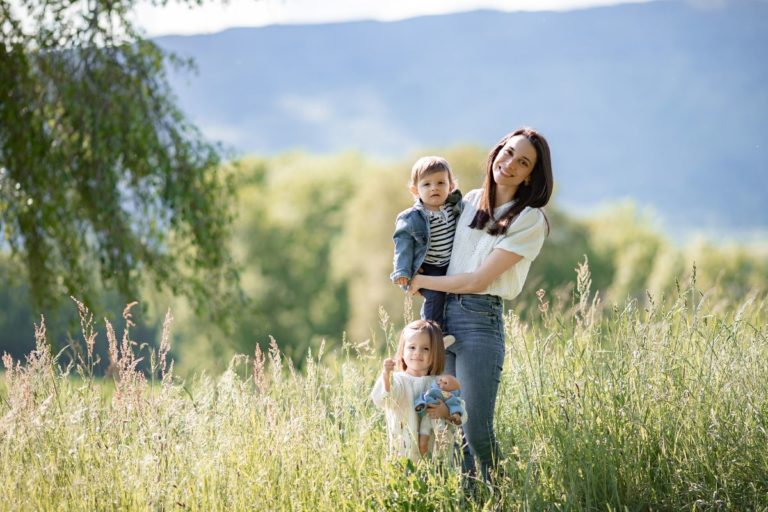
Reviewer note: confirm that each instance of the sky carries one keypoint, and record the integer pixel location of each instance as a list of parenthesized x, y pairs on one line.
[(215, 15)]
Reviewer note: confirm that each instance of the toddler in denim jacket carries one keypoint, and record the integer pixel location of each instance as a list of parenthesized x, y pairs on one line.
[(424, 232)]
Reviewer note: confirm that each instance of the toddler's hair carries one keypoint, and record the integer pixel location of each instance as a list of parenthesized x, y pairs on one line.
[(436, 347), (427, 165)]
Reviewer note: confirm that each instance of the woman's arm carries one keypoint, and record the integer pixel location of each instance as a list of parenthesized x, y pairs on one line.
[(498, 262)]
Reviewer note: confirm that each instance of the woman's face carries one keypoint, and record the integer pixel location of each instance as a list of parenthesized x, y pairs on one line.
[(514, 163)]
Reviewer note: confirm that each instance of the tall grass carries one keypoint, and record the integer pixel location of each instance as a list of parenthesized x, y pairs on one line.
[(662, 406), (655, 406)]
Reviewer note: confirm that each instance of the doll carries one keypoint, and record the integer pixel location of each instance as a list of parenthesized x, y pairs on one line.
[(446, 388)]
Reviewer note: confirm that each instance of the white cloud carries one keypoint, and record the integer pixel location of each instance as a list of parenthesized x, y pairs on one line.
[(308, 110), (350, 119), (214, 16), (226, 134)]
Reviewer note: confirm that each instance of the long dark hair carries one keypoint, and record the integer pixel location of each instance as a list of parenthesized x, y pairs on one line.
[(534, 194)]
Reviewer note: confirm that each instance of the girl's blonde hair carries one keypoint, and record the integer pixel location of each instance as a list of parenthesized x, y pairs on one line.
[(436, 346)]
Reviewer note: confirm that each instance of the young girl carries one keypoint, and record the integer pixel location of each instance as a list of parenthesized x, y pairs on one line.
[(420, 358)]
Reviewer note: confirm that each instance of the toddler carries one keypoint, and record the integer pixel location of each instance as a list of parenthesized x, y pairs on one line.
[(424, 232), (420, 358)]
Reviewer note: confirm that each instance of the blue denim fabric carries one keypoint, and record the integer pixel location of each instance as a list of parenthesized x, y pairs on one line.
[(435, 395), (411, 237), (476, 359), (434, 302)]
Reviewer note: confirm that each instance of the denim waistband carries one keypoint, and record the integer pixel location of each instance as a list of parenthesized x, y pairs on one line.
[(493, 299)]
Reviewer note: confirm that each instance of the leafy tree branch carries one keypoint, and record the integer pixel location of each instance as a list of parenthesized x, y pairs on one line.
[(103, 180)]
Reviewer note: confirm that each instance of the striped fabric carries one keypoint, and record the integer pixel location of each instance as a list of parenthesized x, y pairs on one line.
[(442, 226)]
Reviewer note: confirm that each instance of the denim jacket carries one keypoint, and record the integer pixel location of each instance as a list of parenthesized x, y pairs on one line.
[(412, 236)]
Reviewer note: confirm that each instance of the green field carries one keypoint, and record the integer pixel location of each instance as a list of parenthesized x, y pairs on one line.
[(660, 404)]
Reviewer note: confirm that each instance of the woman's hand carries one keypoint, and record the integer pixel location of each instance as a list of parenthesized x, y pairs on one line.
[(415, 286)]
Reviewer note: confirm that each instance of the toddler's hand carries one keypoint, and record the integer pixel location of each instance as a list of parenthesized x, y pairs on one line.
[(401, 281)]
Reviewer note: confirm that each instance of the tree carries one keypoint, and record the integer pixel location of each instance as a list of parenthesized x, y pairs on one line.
[(287, 243), (103, 181)]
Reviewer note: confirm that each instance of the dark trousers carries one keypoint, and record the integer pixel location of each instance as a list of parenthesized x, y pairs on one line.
[(434, 302)]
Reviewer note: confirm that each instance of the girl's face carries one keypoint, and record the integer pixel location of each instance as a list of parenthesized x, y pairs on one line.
[(514, 163), (417, 354)]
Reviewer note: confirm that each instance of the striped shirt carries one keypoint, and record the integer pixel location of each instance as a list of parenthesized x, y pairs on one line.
[(442, 226)]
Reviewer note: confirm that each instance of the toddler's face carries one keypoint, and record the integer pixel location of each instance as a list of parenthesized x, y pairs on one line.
[(433, 189)]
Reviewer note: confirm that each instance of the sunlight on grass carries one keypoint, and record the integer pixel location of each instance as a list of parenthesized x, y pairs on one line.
[(654, 405)]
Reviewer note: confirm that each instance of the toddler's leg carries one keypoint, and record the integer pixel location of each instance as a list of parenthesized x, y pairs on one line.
[(431, 309), (434, 302)]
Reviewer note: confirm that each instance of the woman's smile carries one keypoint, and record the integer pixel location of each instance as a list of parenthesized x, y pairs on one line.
[(514, 162), (502, 171)]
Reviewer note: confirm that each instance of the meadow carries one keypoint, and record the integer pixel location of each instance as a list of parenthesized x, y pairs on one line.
[(659, 403)]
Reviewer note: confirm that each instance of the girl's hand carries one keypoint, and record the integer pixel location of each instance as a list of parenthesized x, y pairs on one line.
[(387, 367), (439, 411)]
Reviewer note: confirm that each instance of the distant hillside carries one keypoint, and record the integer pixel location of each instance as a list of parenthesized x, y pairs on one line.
[(663, 102)]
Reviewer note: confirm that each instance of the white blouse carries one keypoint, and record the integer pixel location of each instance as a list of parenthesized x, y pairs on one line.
[(471, 247)]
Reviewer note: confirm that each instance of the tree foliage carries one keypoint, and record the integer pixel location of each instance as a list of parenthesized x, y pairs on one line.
[(287, 246), (103, 181), (312, 235)]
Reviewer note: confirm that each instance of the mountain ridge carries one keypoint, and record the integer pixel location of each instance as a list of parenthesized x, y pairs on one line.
[(633, 98)]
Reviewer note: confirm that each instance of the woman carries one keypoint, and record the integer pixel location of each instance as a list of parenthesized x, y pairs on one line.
[(499, 233)]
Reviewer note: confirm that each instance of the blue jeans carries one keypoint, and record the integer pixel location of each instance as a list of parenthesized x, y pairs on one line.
[(476, 359), (434, 302)]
